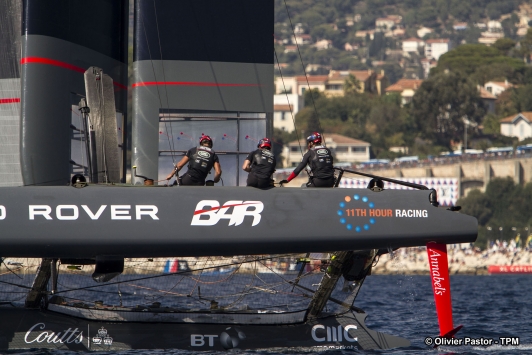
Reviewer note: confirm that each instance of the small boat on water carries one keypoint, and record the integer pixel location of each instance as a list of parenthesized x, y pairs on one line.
[(509, 269)]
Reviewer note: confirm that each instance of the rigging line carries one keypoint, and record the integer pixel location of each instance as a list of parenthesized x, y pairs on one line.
[(304, 71), (166, 292), (164, 275), (233, 272), (155, 77), (199, 26), (11, 271), (279, 275), (197, 280), (251, 40), (288, 100), (242, 294), (275, 289), (164, 74), (14, 284)]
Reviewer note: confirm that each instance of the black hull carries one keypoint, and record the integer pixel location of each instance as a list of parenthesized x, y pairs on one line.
[(30, 329), (200, 221)]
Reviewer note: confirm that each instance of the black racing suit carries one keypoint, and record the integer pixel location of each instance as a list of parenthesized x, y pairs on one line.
[(320, 160), (200, 162), (262, 167)]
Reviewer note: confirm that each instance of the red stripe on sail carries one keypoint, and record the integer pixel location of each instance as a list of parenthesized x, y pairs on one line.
[(58, 63), (48, 61), (9, 100), (439, 272), (191, 83)]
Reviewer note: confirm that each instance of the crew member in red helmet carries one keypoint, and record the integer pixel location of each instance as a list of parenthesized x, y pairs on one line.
[(320, 160), (260, 164), (200, 161)]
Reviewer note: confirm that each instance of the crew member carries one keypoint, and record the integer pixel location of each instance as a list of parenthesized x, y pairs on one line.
[(260, 164), (320, 160), (200, 162)]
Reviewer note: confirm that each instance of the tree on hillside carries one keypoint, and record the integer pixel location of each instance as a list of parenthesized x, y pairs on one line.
[(344, 6), (308, 119), (508, 26), (347, 61), (324, 31), (351, 85), (504, 192), (393, 72), (478, 205), (504, 204), (376, 46), (385, 125), (522, 98), (526, 44), (495, 72), (471, 34), (505, 105), (428, 16), (504, 45), (344, 115), (441, 104), (479, 60), (492, 124), (311, 96), (461, 10), (281, 138)]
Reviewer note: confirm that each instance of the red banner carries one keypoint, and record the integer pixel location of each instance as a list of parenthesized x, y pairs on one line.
[(441, 286), (510, 269)]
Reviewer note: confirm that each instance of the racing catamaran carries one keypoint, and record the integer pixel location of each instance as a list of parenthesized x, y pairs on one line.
[(83, 265), (87, 294)]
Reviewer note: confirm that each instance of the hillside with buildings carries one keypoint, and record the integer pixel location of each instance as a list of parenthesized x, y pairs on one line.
[(436, 92), (405, 37), (404, 78)]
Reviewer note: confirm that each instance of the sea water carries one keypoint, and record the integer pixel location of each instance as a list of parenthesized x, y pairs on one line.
[(489, 307)]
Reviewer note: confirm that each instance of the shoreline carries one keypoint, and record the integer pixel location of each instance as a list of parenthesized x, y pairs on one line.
[(462, 261), (404, 261)]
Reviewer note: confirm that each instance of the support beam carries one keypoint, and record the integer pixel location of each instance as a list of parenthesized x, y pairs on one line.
[(38, 289), (328, 282)]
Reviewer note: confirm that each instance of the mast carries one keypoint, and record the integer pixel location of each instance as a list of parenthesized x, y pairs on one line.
[(201, 66), (10, 29), (56, 50)]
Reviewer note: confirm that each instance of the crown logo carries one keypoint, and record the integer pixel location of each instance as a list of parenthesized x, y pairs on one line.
[(102, 332)]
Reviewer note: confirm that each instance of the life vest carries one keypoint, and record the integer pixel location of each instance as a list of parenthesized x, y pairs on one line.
[(321, 162), (201, 162), (263, 163)]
